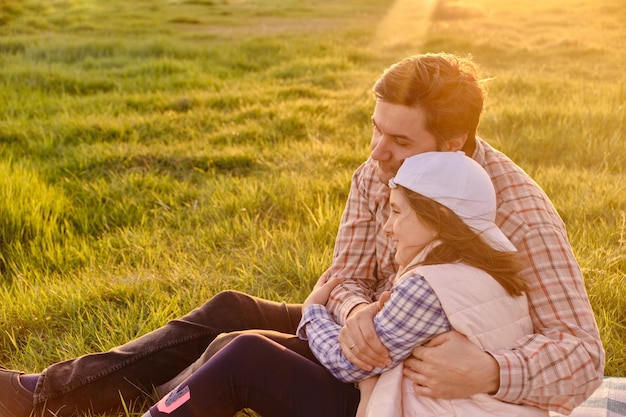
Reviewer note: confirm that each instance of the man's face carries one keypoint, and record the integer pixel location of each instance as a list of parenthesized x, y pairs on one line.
[(398, 134)]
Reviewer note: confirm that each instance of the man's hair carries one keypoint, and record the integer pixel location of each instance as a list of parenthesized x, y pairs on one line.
[(444, 86), (459, 243)]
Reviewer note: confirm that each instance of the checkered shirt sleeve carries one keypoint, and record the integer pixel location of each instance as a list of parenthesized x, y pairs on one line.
[(411, 317)]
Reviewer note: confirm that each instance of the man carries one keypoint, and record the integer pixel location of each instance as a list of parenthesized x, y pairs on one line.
[(424, 103), (431, 102)]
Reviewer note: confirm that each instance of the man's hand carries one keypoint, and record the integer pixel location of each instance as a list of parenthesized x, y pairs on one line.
[(358, 338), (321, 292), (450, 366)]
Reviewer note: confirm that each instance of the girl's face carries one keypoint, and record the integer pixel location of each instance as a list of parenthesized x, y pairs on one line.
[(410, 235)]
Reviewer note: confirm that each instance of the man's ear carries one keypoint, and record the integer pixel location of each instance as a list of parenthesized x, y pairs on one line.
[(455, 144)]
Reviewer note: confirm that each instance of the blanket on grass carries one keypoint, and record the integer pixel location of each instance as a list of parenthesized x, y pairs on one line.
[(609, 400)]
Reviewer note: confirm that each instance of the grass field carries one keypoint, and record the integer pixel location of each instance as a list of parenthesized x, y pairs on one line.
[(153, 153)]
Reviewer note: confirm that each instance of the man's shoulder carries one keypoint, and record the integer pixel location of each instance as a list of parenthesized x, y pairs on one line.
[(509, 179), (495, 161), (522, 204)]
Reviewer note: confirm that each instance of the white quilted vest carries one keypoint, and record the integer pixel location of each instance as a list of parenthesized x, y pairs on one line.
[(478, 307)]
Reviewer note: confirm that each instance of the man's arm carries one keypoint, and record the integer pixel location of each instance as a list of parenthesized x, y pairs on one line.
[(362, 254), (450, 366), (362, 257), (563, 363)]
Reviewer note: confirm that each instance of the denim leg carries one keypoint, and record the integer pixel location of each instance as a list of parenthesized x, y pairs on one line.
[(95, 382)]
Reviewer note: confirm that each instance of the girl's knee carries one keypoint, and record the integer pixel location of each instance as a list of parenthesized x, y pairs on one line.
[(252, 342), (254, 350)]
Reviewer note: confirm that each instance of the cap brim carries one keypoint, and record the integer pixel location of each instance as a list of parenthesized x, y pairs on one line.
[(497, 239)]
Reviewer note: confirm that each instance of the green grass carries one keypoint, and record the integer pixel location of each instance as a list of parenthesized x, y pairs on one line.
[(153, 153)]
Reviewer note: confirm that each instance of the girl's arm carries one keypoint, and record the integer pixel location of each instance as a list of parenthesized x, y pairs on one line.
[(411, 317)]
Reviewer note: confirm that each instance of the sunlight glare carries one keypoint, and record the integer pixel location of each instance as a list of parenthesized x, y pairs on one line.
[(406, 22)]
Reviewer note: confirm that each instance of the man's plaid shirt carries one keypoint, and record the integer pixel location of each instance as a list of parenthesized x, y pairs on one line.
[(556, 368)]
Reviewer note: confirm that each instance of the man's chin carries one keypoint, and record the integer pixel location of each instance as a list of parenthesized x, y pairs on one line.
[(383, 175)]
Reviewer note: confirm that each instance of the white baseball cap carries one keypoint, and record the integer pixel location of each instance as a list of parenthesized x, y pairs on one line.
[(458, 182)]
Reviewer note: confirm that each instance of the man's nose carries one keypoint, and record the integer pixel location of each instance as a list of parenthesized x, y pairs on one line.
[(379, 148)]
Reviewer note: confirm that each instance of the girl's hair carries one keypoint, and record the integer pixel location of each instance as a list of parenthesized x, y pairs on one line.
[(459, 243), (444, 86)]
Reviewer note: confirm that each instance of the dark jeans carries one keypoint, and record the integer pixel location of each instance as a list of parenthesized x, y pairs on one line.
[(96, 382), (257, 373)]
